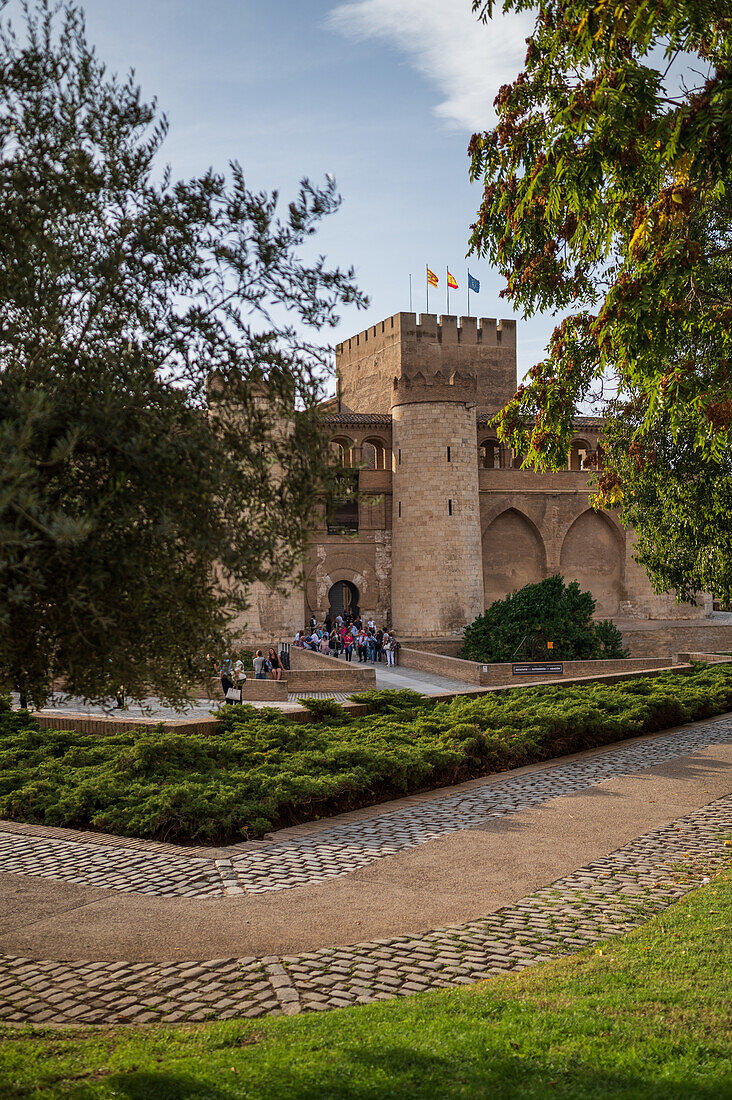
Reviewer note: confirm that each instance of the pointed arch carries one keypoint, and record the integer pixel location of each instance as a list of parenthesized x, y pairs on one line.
[(513, 554), (593, 555)]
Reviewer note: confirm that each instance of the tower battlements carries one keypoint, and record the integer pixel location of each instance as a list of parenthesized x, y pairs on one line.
[(444, 328), (434, 386), (404, 344)]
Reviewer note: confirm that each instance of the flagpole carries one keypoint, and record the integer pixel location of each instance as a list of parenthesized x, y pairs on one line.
[(468, 271), (410, 293), (427, 285), (447, 287)]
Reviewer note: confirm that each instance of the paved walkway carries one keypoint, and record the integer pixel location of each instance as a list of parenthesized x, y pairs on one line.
[(386, 678), (86, 921)]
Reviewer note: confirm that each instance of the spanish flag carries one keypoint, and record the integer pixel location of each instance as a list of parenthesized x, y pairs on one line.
[(451, 281), (432, 278)]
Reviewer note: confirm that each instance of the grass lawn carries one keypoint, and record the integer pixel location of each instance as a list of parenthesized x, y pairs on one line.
[(646, 1016)]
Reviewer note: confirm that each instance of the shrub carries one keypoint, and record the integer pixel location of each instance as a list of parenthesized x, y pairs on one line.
[(549, 611), (323, 709), (258, 772), (389, 701)]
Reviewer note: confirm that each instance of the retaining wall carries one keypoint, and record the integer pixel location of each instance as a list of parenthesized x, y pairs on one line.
[(311, 671), (494, 675), (697, 637)]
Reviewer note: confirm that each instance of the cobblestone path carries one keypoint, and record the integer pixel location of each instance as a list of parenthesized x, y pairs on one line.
[(337, 850), (607, 897)]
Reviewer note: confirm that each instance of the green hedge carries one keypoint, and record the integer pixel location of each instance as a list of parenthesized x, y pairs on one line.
[(261, 770)]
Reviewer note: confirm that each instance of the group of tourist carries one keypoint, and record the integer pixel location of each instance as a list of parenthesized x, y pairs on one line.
[(232, 672), (349, 635)]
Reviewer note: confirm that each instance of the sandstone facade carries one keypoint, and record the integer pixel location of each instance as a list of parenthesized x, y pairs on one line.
[(440, 519)]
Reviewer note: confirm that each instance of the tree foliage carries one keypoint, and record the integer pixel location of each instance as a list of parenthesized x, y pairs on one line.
[(607, 194), (548, 611), (680, 507), (122, 293)]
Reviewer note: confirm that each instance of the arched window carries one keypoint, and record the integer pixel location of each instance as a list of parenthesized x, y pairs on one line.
[(342, 448), (578, 453), (490, 454), (375, 455)]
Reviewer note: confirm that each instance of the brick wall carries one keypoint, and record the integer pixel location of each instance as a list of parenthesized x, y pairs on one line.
[(678, 637), (471, 672), (315, 672)]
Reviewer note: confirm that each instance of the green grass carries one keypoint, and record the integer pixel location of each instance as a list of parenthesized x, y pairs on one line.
[(260, 770), (644, 1017)]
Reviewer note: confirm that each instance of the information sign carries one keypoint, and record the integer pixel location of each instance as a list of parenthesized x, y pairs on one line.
[(528, 669)]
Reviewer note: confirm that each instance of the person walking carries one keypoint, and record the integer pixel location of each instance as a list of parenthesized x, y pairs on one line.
[(275, 664), (389, 649), (348, 644), (260, 666), (334, 642)]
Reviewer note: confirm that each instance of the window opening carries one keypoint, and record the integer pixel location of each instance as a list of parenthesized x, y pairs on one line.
[(342, 515)]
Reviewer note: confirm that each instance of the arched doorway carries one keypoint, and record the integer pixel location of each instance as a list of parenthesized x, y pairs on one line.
[(343, 599)]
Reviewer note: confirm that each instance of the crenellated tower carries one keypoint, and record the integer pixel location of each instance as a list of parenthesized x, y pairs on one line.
[(437, 572), (434, 377)]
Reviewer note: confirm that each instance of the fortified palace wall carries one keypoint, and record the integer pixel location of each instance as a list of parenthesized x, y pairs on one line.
[(444, 520)]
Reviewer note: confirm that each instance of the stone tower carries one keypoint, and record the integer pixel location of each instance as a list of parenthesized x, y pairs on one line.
[(433, 378), (437, 570)]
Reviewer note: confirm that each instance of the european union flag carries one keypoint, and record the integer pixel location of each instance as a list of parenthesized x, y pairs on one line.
[(473, 284)]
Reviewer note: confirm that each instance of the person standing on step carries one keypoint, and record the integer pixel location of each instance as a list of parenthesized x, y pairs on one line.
[(260, 666)]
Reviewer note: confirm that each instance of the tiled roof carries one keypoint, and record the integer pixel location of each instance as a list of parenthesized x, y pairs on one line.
[(383, 420), (577, 421), (359, 420)]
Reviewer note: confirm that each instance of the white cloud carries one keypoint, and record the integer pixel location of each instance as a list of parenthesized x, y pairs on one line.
[(467, 60)]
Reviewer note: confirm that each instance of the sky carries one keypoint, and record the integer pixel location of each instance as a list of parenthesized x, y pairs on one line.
[(383, 94)]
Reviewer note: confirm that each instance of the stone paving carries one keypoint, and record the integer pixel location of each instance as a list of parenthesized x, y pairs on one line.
[(607, 897), (333, 850)]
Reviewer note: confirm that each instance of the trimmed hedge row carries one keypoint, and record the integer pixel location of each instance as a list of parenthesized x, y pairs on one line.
[(260, 770)]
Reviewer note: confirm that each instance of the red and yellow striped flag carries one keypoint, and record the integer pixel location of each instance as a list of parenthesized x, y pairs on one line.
[(451, 281), (432, 278)]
